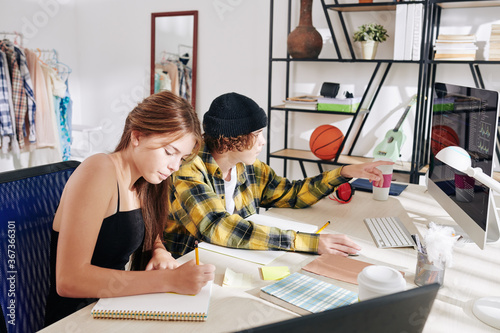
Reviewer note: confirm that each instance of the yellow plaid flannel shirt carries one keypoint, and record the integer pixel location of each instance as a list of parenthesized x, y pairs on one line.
[(198, 210)]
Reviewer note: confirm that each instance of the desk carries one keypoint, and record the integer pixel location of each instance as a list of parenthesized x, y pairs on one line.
[(475, 272)]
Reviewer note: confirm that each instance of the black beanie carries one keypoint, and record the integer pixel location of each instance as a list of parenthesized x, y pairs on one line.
[(231, 115)]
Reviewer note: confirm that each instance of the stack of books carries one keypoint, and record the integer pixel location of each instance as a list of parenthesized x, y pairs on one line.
[(302, 102), (455, 47), (494, 52)]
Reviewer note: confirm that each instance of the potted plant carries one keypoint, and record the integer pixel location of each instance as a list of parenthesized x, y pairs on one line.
[(370, 35)]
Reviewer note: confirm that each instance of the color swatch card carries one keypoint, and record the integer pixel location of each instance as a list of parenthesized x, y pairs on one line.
[(305, 295), (157, 306)]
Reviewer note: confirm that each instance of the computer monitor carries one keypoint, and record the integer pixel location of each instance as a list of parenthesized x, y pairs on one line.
[(465, 117)]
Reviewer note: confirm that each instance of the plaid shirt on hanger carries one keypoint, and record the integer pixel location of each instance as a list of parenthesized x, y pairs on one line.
[(5, 118), (30, 95), (18, 92)]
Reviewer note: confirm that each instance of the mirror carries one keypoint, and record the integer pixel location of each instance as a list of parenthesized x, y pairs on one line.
[(174, 38)]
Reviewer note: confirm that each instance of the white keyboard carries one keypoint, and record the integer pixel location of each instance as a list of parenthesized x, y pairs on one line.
[(389, 232)]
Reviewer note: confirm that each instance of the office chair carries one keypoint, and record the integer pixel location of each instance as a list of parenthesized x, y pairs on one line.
[(28, 201)]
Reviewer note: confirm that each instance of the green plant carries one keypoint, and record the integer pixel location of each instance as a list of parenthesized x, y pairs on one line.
[(370, 31)]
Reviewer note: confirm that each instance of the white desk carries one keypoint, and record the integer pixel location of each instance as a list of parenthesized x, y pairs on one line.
[(475, 272)]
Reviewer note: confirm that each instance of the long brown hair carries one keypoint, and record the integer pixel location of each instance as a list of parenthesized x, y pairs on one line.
[(161, 113)]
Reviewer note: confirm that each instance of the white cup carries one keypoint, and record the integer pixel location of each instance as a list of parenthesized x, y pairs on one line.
[(382, 193), (375, 281)]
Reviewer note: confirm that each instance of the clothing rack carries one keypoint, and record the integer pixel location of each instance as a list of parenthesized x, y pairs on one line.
[(15, 34)]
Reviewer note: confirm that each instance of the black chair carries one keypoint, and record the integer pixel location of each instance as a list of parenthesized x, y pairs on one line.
[(28, 201)]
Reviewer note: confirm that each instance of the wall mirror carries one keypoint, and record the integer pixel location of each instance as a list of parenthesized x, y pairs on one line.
[(174, 38)]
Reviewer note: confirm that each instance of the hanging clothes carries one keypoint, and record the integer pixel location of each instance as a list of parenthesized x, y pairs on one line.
[(14, 144), (18, 94), (46, 137), (55, 89), (6, 126), (65, 107), (35, 105), (29, 125)]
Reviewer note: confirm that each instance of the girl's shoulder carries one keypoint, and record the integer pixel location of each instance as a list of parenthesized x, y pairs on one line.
[(99, 167)]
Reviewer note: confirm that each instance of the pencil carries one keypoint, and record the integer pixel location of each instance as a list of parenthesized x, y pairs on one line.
[(196, 252), (323, 227)]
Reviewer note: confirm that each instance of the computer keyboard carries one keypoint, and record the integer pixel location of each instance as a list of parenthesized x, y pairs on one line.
[(389, 232)]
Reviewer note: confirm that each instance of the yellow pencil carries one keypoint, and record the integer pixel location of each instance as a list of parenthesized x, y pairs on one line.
[(196, 252), (323, 227)]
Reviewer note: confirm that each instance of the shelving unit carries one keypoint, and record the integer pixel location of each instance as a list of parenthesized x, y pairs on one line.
[(375, 82), (427, 68)]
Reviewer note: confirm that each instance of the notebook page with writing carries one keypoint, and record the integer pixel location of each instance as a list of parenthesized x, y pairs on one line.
[(261, 257), (157, 306)]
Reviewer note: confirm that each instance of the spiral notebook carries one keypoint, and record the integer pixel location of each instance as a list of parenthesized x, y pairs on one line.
[(157, 306)]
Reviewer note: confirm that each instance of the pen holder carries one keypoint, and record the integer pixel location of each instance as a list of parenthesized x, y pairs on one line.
[(426, 272)]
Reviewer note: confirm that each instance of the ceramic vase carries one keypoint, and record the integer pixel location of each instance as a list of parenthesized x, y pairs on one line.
[(305, 41), (369, 49)]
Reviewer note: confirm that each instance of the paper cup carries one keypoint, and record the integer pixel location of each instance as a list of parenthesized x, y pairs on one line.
[(375, 281), (382, 193)]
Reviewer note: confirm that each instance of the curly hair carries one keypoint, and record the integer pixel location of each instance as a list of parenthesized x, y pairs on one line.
[(222, 144)]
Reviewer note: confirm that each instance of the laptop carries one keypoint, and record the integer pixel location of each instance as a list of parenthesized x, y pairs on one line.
[(406, 311)]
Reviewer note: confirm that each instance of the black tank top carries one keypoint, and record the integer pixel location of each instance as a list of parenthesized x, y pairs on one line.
[(121, 234)]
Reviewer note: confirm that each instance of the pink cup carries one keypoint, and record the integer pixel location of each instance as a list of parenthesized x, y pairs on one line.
[(381, 193)]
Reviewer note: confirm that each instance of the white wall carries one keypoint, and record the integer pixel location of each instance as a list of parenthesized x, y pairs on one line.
[(107, 44)]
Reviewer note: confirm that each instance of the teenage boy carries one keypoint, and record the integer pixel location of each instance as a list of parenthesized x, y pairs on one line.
[(212, 196)]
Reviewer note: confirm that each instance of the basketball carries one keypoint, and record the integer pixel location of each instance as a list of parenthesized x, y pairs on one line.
[(441, 137), (325, 142)]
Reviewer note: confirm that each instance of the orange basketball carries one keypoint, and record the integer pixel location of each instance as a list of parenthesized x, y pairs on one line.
[(443, 136), (325, 142)]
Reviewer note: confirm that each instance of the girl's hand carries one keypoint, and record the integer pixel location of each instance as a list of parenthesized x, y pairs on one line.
[(190, 278)]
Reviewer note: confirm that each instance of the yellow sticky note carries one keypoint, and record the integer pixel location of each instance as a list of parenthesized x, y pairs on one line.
[(274, 272)]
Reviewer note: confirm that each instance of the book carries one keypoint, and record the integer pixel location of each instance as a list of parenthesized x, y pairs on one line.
[(417, 31), (410, 21), (494, 43), (306, 102), (305, 98), (156, 306), (471, 38), (455, 47), (304, 295), (301, 105), (365, 185), (400, 32)]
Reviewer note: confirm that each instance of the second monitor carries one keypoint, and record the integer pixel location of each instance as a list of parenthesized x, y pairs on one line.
[(465, 117)]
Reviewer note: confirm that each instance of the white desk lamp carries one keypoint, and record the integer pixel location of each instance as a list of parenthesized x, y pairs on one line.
[(486, 309)]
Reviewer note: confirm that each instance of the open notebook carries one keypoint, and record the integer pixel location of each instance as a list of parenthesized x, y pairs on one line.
[(158, 306)]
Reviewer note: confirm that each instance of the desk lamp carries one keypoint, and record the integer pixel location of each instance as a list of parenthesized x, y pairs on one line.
[(486, 309)]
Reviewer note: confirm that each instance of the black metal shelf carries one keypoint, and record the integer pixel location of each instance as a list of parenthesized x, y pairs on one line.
[(465, 3), (338, 113), (389, 61), (426, 78), (367, 7)]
